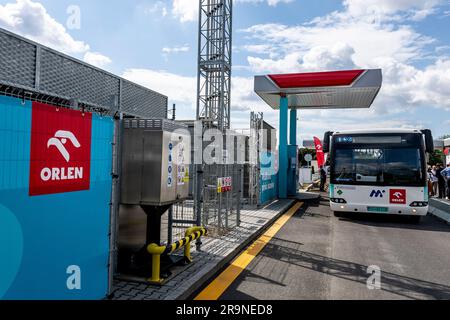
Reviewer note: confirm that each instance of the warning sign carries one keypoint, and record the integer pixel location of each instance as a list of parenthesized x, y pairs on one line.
[(224, 185)]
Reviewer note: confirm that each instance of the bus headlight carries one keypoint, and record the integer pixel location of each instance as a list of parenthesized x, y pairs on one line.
[(419, 204), (338, 200)]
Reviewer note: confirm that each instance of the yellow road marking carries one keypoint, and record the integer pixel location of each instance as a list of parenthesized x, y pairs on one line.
[(219, 285)]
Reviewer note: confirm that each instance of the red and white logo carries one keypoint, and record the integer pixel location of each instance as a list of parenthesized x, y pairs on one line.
[(398, 196), (60, 150)]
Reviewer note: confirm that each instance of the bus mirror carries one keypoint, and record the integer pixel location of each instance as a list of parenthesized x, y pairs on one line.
[(327, 141), (429, 143)]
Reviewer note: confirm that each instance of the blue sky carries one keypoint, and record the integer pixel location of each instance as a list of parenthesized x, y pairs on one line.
[(155, 43)]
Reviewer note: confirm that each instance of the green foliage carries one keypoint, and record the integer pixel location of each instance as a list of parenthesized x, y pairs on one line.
[(436, 157)]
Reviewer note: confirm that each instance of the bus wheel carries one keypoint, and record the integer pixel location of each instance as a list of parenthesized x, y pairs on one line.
[(416, 219), (337, 214)]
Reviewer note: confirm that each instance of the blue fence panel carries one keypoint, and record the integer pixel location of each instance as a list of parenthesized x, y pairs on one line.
[(269, 178), (49, 244)]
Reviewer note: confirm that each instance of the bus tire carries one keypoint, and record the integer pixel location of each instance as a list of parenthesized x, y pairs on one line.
[(416, 219), (337, 214)]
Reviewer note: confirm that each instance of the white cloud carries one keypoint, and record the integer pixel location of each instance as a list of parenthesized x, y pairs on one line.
[(339, 56), (369, 41), (180, 89), (272, 3), (177, 49), (97, 59), (185, 10), (158, 7), (415, 9), (31, 20)]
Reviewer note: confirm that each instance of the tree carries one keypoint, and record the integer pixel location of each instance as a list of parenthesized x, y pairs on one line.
[(436, 157), (447, 136)]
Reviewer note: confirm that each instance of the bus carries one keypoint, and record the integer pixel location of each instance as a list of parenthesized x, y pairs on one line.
[(379, 171)]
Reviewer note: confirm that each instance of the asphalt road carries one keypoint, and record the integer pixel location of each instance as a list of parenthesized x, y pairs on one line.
[(318, 256)]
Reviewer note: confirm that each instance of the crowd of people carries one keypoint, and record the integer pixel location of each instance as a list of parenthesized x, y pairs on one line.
[(439, 181)]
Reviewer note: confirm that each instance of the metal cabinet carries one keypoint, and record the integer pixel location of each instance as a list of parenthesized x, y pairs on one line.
[(155, 162)]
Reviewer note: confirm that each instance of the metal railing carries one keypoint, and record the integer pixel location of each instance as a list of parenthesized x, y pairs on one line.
[(192, 234)]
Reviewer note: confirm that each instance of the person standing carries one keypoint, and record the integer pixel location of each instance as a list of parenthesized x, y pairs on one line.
[(430, 182), (323, 178), (446, 175), (434, 182), (441, 181)]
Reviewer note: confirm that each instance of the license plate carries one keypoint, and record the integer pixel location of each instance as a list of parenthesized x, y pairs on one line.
[(378, 209)]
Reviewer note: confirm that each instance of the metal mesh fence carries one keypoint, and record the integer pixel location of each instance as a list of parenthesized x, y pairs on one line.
[(49, 76), (139, 101), (61, 76), (17, 61), (184, 217), (221, 211)]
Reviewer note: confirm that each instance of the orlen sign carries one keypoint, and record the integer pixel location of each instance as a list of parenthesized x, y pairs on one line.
[(60, 150), (397, 196)]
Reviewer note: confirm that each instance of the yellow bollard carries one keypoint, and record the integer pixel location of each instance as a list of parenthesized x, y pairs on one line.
[(156, 252), (187, 248)]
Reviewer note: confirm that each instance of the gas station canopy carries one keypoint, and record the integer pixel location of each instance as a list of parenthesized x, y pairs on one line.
[(321, 90)]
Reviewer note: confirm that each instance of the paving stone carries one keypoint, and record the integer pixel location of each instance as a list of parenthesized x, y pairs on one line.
[(214, 251), (125, 297)]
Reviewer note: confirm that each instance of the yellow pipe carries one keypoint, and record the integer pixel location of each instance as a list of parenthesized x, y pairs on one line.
[(187, 248), (156, 252)]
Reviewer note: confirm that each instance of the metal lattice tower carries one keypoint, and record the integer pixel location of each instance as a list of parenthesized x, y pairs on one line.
[(213, 104), (214, 63)]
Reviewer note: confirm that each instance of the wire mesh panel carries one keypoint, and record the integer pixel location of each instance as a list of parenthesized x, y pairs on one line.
[(62, 76), (51, 77), (184, 217), (17, 61), (221, 209), (140, 102)]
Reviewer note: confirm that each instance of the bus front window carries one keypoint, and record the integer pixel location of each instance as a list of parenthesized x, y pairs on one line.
[(378, 166)]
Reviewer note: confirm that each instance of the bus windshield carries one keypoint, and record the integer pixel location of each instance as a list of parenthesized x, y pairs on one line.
[(378, 165)]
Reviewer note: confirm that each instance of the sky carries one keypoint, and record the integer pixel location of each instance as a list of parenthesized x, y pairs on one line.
[(154, 43)]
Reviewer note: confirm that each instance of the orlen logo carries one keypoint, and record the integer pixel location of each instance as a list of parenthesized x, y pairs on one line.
[(60, 150), (398, 196), (58, 142)]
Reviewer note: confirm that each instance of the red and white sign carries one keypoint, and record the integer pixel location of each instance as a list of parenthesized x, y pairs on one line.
[(60, 150), (397, 196), (224, 185)]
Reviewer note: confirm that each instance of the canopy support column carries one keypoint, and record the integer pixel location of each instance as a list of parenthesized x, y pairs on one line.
[(283, 149), (293, 128)]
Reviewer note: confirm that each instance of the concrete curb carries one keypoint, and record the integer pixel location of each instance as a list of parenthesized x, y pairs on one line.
[(440, 209), (197, 281)]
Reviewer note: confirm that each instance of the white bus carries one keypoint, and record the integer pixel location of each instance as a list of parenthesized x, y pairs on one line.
[(379, 171)]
